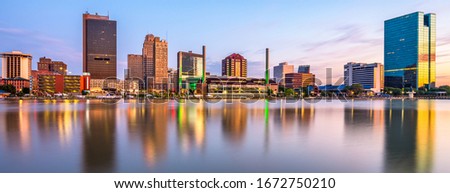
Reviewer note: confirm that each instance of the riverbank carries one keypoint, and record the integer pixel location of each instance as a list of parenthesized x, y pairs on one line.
[(214, 100)]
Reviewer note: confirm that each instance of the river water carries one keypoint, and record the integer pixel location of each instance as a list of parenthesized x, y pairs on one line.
[(277, 136)]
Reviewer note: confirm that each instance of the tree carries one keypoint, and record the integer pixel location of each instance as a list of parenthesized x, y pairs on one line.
[(357, 89), (445, 88), (393, 91), (289, 92), (26, 90), (8, 88)]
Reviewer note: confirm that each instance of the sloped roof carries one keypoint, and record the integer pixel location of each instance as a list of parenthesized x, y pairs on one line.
[(235, 56)]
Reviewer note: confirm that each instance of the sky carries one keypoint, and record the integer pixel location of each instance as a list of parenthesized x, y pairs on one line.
[(321, 33)]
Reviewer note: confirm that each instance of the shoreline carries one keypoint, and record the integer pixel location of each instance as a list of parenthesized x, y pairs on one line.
[(182, 100)]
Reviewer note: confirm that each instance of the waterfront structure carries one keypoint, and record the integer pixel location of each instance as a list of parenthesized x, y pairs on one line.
[(370, 76), (34, 81), (113, 86), (72, 84), (46, 64), (227, 86), (304, 69), (99, 46), (281, 70), (51, 84), (17, 82), (155, 62), (16, 64), (410, 51), (135, 67), (191, 69), (299, 80), (234, 65)]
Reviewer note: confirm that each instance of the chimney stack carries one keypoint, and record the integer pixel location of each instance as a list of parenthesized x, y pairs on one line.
[(267, 66)]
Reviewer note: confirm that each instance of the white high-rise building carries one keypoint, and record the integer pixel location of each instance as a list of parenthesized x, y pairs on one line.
[(370, 76), (16, 64)]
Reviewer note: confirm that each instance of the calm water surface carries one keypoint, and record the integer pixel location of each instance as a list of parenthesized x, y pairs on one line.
[(355, 136)]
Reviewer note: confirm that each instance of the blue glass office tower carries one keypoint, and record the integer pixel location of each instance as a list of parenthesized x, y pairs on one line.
[(410, 51)]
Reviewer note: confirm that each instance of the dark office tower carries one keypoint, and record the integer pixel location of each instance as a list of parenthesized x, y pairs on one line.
[(99, 46), (155, 61), (410, 51), (234, 65)]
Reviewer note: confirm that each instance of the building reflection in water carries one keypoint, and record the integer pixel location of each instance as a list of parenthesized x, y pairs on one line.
[(61, 122), (17, 127), (191, 125), (99, 134), (234, 121), (410, 130), (149, 124), (366, 119)]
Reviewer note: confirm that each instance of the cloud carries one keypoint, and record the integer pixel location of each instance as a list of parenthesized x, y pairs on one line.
[(12, 31), (345, 35), (40, 45)]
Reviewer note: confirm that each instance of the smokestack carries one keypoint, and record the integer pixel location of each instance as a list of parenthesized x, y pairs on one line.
[(179, 71), (204, 65), (267, 66)]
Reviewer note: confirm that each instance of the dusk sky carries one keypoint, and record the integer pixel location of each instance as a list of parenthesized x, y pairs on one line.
[(320, 33)]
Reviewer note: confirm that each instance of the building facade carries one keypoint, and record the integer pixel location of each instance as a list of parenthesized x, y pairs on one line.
[(46, 64), (72, 84), (190, 69), (85, 82), (281, 70), (410, 51), (135, 67), (34, 82), (16, 64), (224, 86), (51, 84), (299, 80), (17, 82), (155, 62), (99, 46), (234, 65), (370, 76), (304, 69)]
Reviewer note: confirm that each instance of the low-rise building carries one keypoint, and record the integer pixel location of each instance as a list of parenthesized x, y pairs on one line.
[(17, 82), (226, 86), (299, 80)]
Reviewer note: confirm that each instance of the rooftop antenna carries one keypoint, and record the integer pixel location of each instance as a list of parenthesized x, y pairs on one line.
[(108, 13)]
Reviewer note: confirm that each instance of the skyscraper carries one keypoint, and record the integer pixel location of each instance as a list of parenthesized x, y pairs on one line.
[(15, 64), (234, 65), (370, 76), (410, 51), (155, 62), (281, 70), (99, 46)]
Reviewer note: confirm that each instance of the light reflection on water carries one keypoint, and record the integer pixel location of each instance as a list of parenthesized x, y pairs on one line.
[(356, 136)]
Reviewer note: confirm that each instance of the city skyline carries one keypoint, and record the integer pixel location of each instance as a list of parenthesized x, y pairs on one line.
[(284, 30)]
